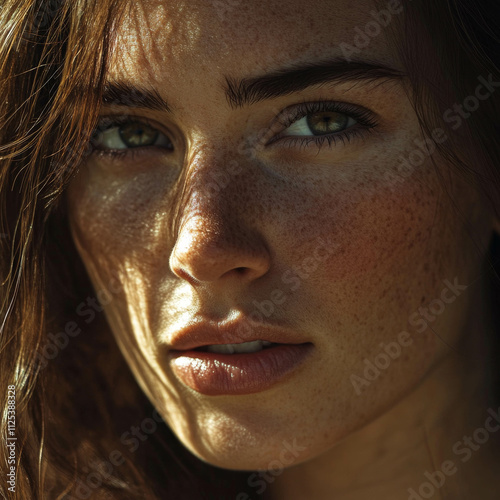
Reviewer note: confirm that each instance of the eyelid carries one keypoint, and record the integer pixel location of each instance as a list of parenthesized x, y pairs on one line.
[(366, 121), (108, 122), (293, 113)]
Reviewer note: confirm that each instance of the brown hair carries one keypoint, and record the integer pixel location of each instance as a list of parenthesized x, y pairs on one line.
[(73, 408)]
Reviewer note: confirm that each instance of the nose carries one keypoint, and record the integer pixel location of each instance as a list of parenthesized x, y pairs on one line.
[(218, 238)]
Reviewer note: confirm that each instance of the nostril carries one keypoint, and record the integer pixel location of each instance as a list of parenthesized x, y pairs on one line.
[(186, 276)]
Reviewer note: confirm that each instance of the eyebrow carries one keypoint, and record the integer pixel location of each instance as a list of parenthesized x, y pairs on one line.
[(247, 91), (121, 93), (301, 76)]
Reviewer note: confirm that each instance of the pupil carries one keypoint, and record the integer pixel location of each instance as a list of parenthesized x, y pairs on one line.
[(327, 122), (137, 134)]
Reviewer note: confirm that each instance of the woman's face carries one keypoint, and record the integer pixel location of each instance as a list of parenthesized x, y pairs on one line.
[(338, 242)]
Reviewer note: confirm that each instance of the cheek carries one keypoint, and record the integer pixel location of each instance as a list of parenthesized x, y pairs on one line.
[(373, 232), (115, 227), (372, 227), (391, 246), (118, 221)]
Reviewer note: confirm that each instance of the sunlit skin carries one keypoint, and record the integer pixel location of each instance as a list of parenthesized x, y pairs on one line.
[(393, 239)]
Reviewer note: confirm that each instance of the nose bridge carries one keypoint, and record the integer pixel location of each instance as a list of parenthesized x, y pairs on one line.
[(210, 187), (214, 231)]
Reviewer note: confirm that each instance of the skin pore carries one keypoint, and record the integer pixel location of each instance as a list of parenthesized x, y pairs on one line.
[(390, 244)]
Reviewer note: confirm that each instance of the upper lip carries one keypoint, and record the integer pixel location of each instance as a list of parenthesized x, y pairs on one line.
[(235, 332)]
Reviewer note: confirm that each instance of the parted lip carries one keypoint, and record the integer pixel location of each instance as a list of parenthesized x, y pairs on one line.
[(235, 332)]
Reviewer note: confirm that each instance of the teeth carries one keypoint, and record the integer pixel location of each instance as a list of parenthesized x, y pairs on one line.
[(253, 346)]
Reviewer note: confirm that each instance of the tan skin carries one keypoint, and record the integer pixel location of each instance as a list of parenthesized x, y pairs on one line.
[(392, 245)]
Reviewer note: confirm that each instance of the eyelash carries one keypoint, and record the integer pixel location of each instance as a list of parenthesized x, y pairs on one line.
[(365, 119), (365, 122), (109, 122)]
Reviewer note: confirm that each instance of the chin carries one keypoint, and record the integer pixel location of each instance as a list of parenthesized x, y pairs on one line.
[(248, 444)]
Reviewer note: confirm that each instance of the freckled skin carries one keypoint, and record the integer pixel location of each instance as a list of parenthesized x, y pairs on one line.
[(393, 244)]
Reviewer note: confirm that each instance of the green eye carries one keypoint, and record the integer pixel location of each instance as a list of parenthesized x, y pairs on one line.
[(138, 134), (321, 123), (128, 135), (327, 122)]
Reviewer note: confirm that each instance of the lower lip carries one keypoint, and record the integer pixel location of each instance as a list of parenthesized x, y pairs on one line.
[(216, 374)]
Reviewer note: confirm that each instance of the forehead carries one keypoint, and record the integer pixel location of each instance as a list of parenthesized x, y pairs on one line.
[(183, 40)]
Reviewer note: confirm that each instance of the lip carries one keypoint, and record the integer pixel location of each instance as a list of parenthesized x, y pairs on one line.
[(234, 332), (216, 374)]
